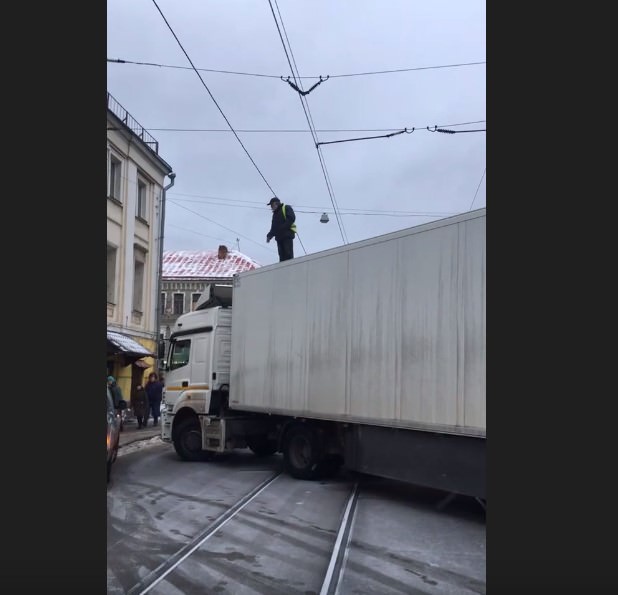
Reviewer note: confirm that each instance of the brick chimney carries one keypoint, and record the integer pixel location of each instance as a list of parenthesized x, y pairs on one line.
[(222, 252)]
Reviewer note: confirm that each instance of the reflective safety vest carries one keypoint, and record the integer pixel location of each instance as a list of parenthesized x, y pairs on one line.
[(293, 226)]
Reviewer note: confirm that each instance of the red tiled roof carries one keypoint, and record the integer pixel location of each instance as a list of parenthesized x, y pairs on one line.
[(201, 264)]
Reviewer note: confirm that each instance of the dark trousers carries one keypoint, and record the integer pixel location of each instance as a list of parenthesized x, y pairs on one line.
[(141, 420), (155, 411), (286, 249)]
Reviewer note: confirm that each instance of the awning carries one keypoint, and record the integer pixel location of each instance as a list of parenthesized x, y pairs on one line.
[(141, 364), (118, 343)]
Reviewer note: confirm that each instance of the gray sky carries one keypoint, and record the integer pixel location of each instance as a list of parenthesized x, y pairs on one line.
[(423, 172)]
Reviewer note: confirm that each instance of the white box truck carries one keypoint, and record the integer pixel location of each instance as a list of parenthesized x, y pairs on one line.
[(370, 355)]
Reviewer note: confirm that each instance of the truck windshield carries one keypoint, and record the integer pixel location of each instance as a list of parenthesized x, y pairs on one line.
[(180, 353)]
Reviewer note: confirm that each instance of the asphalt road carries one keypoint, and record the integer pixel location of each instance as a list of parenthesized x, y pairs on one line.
[(168, 533)]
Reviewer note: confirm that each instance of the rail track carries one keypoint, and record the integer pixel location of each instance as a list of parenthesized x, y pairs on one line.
[(332, 576)]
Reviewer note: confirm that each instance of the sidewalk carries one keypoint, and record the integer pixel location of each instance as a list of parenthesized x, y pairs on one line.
[(130, 433)]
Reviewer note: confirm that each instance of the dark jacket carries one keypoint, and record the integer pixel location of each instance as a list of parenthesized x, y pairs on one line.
[(280, 228), (154, 391), (116, 394), (140, 403)]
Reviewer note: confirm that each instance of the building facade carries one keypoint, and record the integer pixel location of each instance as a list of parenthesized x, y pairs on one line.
[(186, 274), (135, 194)]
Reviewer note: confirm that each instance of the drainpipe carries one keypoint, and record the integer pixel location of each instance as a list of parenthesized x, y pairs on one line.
[(171, 175)]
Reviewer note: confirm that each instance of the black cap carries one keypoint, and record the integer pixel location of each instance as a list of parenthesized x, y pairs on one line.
[(273, 199)]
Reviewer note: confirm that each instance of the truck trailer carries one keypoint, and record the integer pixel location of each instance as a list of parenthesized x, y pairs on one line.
[(370, 355)]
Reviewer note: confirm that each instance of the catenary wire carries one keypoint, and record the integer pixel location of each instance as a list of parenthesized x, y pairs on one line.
[(309, 120), (305, 103), (297, 130), (212, 97), (275, 76), (477, 188), (219, 224), (320, 208), (317, 211)]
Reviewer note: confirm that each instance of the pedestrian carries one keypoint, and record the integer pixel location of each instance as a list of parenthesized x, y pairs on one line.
[(117, 396), (140, 406), (283, 228), (154, 388)]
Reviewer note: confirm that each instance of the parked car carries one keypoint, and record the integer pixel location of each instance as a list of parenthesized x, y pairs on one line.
[(113, 431)]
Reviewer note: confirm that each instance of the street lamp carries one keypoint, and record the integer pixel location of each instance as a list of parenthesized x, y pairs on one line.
[(324, 218)]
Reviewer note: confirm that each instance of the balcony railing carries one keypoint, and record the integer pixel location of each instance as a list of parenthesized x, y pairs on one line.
[(130, 122)]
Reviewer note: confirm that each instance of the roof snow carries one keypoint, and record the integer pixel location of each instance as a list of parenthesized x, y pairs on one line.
[(203, 264), (126, 343)]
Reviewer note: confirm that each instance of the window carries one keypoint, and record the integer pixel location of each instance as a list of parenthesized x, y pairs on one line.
[(180, 352), (194, 298), (140, 207), (111, 274), (179, 303), (138, 280), (115, 171), (163, 298)]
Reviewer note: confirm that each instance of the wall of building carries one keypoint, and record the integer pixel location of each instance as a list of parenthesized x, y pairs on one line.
[(135, 236)]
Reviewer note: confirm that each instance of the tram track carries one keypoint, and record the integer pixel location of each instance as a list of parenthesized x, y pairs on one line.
[(333, 572), (159, 573), (217, 530)]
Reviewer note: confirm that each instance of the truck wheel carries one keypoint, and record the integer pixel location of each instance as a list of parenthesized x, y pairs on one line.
[(262, 446), (302, 453), (188, 440)]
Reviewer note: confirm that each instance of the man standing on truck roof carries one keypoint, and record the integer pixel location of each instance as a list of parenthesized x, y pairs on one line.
[(283, 228)]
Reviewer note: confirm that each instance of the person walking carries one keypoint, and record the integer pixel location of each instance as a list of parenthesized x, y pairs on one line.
[(140, 406), (154, 389), (283, 228)]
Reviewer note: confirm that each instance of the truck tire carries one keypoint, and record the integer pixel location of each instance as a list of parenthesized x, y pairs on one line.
[(302, 453), (188, 440), (262, 446)]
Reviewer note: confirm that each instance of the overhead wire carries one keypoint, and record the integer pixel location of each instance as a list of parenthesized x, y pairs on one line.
[(275, 76), (311, 123), (477, 188), (304, 102), (195, 232), (318, 210), (219, 224), (390, 135), (297, 130), (212, 97), (350, 140)]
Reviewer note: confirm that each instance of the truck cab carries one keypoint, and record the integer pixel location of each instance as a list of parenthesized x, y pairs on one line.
[(198, 371)]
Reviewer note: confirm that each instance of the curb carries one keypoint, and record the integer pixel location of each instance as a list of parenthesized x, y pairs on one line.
[(139, 438)]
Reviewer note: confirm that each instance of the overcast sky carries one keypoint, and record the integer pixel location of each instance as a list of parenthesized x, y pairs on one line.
[(422, 172)]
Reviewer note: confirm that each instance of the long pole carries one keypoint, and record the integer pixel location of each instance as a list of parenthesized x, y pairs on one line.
[(172, 176)]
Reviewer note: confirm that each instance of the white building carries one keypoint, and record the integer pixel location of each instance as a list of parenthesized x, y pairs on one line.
[(135, 191)]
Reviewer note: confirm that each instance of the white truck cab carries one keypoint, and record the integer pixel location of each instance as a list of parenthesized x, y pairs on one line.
[(198, 372)]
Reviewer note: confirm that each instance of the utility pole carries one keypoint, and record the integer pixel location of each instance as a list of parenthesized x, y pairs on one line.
[(172, 176)]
